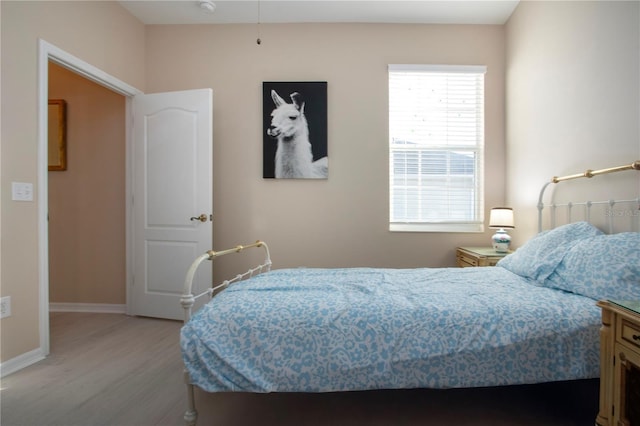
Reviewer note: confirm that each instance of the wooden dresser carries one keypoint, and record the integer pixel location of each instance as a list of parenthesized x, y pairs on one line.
[(619, 364), (477, 256)]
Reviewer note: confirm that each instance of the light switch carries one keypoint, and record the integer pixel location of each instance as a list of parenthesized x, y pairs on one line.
[(21, 191)]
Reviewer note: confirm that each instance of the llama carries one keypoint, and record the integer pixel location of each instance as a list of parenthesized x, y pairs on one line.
[(294, 158)]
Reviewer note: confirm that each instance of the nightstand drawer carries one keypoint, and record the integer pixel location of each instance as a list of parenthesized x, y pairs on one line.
[(630, 333), (466, 261)]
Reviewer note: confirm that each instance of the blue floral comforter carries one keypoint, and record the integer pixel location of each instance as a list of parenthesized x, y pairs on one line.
[(321, 330)]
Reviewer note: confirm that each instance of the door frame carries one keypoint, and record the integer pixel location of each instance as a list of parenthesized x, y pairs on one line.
[(48, 52)]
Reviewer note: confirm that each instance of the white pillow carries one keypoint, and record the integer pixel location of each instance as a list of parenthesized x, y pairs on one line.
[(538, 258), (602, 267)]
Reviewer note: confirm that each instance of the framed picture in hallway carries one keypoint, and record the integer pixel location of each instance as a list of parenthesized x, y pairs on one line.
[(294, 136), (57, 123)]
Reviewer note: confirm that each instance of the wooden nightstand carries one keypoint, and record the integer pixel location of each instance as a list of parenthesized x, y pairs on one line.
[(619, 364), (477, 256)]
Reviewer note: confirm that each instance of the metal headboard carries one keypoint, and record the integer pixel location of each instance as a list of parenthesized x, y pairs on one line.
[(587, 204)]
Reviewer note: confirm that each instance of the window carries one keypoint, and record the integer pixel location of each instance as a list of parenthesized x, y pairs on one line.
[(436, 143)]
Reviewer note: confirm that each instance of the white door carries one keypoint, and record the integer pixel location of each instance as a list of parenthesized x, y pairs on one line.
[(172, 197)]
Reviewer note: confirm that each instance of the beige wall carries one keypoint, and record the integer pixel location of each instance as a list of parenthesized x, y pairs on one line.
[(573, 99), (87, 201), (342, 221), (100, 33)]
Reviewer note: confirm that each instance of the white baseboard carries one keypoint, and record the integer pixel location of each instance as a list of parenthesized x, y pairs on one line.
[(31, 357), (96, 308), (21, 361)]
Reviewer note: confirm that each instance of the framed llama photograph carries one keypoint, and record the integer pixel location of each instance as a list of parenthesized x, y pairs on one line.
[(295, 130)]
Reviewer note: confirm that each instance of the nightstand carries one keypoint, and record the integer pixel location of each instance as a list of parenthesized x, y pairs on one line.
[(619, 363), (477, 256)]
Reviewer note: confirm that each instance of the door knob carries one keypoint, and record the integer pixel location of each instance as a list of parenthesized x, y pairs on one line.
[(201, 218)]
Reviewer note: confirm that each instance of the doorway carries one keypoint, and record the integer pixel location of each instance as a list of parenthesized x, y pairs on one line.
[(86, 213), (50, 53)]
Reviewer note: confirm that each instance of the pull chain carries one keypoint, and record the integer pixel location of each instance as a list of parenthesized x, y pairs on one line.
[(258, 40)]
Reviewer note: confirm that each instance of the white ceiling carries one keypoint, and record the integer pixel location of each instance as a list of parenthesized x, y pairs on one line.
[(323, 11)]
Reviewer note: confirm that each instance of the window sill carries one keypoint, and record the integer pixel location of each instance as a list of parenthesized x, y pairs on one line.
[(436, 227)]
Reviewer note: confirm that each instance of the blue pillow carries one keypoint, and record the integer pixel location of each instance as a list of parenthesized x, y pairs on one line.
[(538, 258), (602, 267)]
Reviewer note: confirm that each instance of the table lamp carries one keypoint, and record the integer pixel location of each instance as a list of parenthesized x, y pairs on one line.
[(501, 218)]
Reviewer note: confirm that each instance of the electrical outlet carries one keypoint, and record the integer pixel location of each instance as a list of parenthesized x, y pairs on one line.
[(5, 307)]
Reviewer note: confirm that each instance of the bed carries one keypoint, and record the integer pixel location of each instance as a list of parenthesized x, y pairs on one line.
[(531, 319)]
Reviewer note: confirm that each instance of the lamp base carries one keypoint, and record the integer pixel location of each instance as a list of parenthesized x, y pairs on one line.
[(501, 241)]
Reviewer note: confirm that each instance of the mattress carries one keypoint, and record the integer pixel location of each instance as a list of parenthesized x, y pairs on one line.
[(326, 330)]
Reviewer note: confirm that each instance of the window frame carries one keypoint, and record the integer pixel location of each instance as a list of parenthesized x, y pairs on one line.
[(476, 223)]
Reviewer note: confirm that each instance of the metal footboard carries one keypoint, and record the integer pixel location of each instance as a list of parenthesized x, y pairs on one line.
[(188, 299)]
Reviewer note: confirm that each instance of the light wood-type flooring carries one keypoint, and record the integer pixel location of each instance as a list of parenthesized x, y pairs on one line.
[(115, 370)]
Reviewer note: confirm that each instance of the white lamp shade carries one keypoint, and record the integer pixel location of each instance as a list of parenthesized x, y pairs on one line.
[(501, 217)]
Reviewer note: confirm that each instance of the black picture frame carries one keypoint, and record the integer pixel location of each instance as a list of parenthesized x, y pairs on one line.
[(313, 95)]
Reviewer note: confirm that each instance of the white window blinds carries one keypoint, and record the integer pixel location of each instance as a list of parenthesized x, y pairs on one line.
[(436, 142)]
